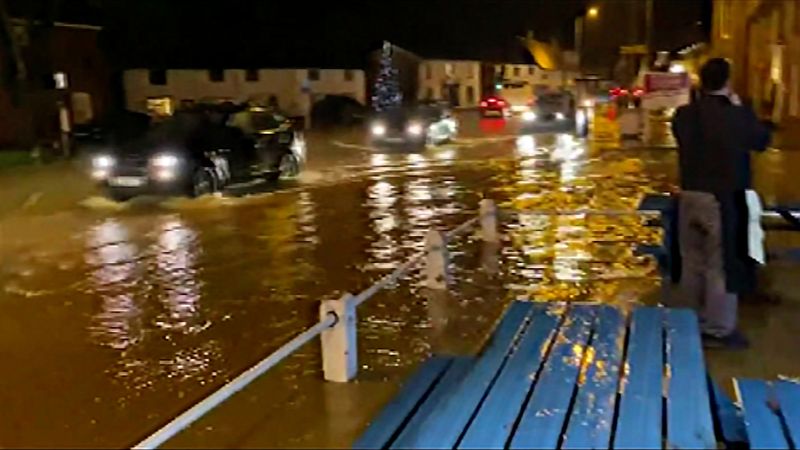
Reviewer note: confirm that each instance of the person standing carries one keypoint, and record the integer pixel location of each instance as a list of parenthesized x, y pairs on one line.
[(715, 134)]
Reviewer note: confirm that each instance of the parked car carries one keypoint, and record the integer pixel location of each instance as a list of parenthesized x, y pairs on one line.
[(335, 110), (200, 151), (415, 126)]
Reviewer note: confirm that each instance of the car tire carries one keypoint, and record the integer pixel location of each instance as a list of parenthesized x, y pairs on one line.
[(119, 195), (288, 167), (203, 183)]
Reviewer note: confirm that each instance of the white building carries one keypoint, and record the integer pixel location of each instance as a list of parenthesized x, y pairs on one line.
[(536, 77), (162, 91), (458, 82)]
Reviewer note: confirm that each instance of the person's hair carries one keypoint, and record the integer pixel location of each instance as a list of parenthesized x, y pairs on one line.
[(714, 74)]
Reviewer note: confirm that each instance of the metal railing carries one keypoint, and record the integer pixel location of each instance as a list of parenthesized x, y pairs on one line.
[(337, 325)]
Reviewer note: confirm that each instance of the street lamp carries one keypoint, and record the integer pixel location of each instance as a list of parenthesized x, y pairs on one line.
[(593, 12)]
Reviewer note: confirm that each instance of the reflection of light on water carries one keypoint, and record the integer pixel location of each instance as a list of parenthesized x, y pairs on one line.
[(306, 216), (568, 171), (381, 198), (113, 258), (417, 161), (446, 155), (175, 261), (378, 160), (526, 145)]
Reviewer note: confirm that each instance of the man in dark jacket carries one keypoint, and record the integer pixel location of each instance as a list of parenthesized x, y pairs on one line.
[(715, 135)]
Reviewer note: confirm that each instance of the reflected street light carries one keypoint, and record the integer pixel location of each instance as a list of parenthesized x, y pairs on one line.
[(593, 12)]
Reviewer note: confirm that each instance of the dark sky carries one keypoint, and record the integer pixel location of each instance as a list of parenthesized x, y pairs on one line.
[(229, 33)]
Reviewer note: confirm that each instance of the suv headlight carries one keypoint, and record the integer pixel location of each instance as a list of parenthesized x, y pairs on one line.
[(164, 161), (560, 116), (378, 129), (414, 129), (529, 116), (103, 162)]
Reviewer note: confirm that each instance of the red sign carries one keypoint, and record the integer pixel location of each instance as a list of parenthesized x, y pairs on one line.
[(664, 81)]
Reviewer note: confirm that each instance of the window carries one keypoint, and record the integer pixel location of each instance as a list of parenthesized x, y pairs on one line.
[(216, 75), (160, 106), (470, 95), (348, 75), (158, 77), (544, 76), (516, 71), (724, 19), (59, 81), (530, 70), (429, 94), (428, 71), (313, 74), (448, 69), (470, 71), (251, 75)]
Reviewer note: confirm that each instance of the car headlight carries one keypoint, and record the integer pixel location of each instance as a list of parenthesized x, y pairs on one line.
[(378, 129), (414, 129), (165, 161), (560, 116), (529, 116), (103, 162)]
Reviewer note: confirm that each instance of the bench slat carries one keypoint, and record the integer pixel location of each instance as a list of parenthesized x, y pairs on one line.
[(411, 395), (763, 425), (639, 421), (498, 413), (544, 416), (593, 413), (449, 419), (454, 375), (788, 394), (689, 421)]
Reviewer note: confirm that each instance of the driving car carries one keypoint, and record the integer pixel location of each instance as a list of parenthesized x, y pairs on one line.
[(494, 106), (550, 112), (200, 151), (416, 126)]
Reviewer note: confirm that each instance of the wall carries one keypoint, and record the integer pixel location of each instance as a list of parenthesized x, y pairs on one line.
[(435, 75), (553, 79), (285, 84)]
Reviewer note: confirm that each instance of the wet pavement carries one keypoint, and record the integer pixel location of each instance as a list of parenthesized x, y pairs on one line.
[(115, 317)]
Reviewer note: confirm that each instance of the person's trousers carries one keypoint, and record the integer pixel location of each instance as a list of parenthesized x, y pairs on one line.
[(702, 283)]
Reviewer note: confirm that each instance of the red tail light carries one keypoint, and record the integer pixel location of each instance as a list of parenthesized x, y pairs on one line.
[(501, 103)]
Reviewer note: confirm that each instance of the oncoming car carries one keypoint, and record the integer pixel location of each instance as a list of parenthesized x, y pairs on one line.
[(199, 152), (550, 112), (417, 126)]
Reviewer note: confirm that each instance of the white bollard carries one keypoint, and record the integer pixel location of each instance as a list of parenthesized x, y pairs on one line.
[(488, 212), (339, 349), (436, 259)]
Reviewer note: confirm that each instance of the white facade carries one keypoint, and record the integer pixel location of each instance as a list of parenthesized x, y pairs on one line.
[(456, 81), (551, 79), (143, 86)]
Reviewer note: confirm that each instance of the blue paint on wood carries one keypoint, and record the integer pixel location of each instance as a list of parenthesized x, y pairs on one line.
[(444, 388), (764, 429), (450, 418), (495, 420), (729, 416), (639, 421), (593, 413), (788, 394), (689, 421), (547, 410), (411, 395)]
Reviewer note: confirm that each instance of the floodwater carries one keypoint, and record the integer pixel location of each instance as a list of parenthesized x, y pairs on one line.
[(116, 317)]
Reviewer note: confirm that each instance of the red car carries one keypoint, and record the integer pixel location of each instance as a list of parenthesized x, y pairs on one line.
[(494, 106)]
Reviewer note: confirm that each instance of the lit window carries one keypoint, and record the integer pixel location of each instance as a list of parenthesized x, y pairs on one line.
[(448, 69), (313, 74), (158, 77), (60, 80), (251, 75), (160, 106), (216, 75), (348, 75)]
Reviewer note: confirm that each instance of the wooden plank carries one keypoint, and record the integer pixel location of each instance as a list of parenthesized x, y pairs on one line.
[(450, 418), (548, 409), (593, 413), (729, 416), (689, 420), (764, 429), (788, 394), (493, 424), (411, 395), (452, 378), (639, 421)]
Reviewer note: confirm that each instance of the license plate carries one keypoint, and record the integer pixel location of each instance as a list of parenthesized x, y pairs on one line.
[(127, 181), (394, 139)]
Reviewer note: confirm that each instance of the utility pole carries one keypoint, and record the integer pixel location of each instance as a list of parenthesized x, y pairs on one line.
[(648, 32)]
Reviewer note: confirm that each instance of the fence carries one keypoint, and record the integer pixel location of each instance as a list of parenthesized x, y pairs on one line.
[(337, 325)]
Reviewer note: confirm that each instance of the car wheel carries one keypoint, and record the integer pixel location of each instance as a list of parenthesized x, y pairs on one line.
[(202, 183), (119, 195), (288, 167)]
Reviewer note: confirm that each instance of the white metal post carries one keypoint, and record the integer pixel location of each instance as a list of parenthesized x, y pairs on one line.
[(488, 212), (339, 349), (436, 259)]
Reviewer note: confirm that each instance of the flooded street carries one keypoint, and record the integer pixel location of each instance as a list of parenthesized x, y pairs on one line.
[(115, 317)]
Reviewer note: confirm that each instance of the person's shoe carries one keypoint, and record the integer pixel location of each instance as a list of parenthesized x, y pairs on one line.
[(733, 341)]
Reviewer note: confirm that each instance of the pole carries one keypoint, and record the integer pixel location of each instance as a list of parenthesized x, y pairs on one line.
[(648, 32)]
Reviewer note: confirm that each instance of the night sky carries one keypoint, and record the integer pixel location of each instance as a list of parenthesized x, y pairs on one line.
[(237, 33)]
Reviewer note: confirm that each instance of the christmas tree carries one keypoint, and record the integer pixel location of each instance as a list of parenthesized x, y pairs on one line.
[(386, 94)]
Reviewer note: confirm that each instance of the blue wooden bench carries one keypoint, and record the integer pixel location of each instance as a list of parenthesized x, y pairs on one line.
[(561, 376), (771, 413)]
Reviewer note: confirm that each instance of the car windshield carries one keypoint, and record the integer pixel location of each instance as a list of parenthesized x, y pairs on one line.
[(252, 121)]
